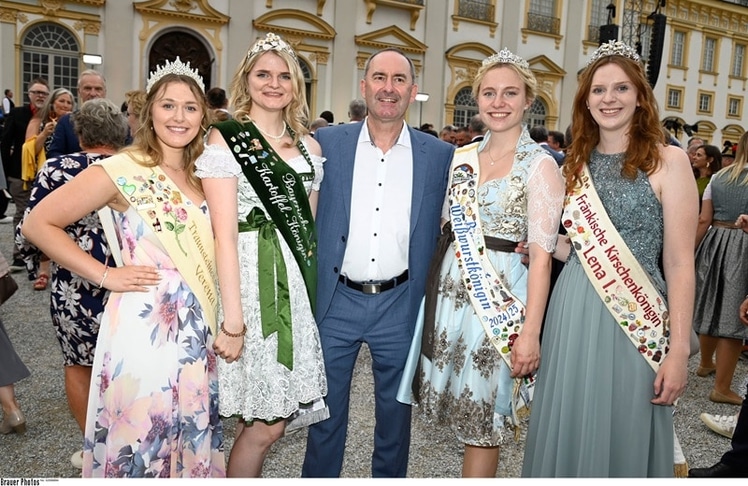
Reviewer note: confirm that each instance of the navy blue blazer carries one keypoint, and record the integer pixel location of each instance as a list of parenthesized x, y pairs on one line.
[(64, 141), (431, 161)]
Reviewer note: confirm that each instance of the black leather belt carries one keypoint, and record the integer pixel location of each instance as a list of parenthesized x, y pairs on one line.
[(375, 287)]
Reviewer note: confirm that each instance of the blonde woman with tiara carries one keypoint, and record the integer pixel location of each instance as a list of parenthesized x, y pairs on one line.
[(472, 367), (153, 403), (261, 172)]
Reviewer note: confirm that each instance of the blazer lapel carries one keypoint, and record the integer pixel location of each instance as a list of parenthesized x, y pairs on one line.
[(346, 152), (420, 159)]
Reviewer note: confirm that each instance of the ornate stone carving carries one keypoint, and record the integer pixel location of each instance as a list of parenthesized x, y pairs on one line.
[(51, 6), (183, 5), (93, 28)]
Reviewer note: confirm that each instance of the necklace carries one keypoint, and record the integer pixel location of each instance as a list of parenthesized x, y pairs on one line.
[(274, 137), (493, 162), (173, 168)]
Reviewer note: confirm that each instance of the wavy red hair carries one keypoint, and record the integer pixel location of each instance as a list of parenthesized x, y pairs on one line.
[(645, 126)]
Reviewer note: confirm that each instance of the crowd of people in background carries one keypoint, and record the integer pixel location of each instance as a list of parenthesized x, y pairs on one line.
[(223, 253)]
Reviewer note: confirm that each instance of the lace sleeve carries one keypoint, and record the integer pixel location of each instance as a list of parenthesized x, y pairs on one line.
[(216, 162), (544, 202), (319, 170)]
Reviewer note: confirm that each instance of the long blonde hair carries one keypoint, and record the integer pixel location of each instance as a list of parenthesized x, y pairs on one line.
[(146, 148), (733, 171), (295, 114)]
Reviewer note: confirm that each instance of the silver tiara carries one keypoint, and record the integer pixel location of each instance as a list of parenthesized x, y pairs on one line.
[(177, 67), (271, 42), (505, 56), (614, 48)]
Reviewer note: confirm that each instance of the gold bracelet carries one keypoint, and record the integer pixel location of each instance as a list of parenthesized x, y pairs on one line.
[(106, 272), (234, 334)]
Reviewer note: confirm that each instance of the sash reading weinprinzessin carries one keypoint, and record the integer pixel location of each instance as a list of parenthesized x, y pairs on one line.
[(623, 285), (182, 229), (501, 314)]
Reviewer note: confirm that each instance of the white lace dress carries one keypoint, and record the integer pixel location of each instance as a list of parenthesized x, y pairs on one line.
[(256, 386)]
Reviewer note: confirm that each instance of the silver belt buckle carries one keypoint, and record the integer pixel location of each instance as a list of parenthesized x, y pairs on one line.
[(371, 288)]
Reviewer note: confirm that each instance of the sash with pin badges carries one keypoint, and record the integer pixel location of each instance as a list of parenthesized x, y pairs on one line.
[(180, 226)]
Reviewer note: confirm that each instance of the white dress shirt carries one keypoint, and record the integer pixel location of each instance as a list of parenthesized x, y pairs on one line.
[(379, 236)]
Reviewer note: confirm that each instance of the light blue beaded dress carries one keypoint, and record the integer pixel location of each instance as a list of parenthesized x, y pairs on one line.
[(591, 414)]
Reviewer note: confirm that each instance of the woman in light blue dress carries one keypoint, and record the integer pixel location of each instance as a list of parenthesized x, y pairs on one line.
[(514, 192)]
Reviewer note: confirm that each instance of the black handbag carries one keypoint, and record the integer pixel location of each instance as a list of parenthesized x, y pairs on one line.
[(8, 287)]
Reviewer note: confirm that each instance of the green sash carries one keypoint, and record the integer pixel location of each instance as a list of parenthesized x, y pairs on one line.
[(182, 229), (284, 198)]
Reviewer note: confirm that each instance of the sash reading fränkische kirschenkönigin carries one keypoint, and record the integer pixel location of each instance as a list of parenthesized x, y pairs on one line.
[(623, 285), (500, 313), (182, 228), (284, 197)]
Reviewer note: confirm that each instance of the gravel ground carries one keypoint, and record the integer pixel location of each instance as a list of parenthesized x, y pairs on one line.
[(52, 434)]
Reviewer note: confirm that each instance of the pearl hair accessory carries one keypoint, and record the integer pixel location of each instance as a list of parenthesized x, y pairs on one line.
[(176, 67), (614, 48), (505, 56), (271, 42)]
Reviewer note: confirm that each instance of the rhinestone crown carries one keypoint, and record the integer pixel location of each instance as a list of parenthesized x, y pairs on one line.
[(271, 42), (505, 56), (176, 67), (614, 48)]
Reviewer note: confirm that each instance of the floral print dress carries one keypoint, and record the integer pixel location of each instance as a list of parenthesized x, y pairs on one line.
[(153, 406)]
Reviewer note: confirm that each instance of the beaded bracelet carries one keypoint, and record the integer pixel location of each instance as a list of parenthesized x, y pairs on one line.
[(234, 334), (106, 272)]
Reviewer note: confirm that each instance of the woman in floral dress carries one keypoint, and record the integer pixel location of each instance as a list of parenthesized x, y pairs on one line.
[(153, 406)]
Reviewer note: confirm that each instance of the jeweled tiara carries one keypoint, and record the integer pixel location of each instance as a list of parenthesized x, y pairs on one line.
[(176, 67), (271, 42), (505, 56), (614, 48)]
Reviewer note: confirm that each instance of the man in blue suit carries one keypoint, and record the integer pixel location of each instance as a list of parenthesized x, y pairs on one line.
[(377, 225), (91, 85)]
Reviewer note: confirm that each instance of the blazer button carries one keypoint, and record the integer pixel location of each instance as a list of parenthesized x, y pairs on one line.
[(335, 269), (343, 238)]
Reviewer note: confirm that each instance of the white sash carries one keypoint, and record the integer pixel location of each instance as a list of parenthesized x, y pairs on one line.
[(500, 313), (622, 284)]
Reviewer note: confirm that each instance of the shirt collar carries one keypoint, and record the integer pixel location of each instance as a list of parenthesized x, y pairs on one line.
[(403, 139)]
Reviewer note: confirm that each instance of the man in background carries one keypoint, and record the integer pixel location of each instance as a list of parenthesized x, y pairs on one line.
[(11, 146), (476, 128), (91, 84), (539, 133), (357, 110), (462, 136)]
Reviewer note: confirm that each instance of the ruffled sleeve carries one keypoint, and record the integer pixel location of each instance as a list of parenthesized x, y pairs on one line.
[(319, 170), (216, 162), (544, 203)]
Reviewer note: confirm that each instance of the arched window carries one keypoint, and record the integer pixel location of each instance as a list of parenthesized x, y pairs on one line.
[(186, 45), (307, 72), (50, 51), (465, 107), (536, 113)]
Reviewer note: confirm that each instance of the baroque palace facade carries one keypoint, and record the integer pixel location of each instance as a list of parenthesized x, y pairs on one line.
[(701, 81)]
